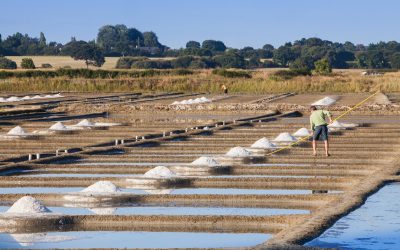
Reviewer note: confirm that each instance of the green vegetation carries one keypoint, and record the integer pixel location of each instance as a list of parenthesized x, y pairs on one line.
[(231, 73), (88, 52), (322, 67), (6, 63), (27, 63)]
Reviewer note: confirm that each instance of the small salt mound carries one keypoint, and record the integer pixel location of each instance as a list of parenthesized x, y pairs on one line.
[(2, 99), (106, 124), (27, 205), (176, 103), (205, 161), (263, 143), (17, 131), (336, 124), (85, 123), (326, 101), (301, 132), (206, 128), (104, 210), (184, 102), (101, 187), (285, 137), (37, 97), (160, 172), (57, 95), (27, 97), (205, 99), (238, 152), (48, 96), (58, 127), (13, 99)]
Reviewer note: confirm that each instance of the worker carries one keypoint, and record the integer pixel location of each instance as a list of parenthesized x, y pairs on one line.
[(224, 89), (319, 126)]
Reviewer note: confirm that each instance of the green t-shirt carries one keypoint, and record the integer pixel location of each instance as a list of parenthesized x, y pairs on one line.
[(317, 118)]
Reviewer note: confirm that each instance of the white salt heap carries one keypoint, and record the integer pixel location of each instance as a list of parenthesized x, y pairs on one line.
[(58, 127), (205, 161), (160, 172), (336, 124), (13, 99), (101, 187), (85, 123), (2, 99), (238, 152), (263, 143), (326, 101), (27, 97), (27, 205), (17, 131), (302, 132), (37, 97), (103, 210), (285, 137), (192, 101)]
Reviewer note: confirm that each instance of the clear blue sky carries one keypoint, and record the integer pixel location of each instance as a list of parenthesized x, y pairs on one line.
[(238, 23)]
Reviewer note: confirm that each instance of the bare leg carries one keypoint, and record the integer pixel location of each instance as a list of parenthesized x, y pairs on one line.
[(314, 146), (327, 148)]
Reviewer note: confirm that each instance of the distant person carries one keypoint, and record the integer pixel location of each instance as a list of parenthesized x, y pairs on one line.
[(319, 126), (224, 89)]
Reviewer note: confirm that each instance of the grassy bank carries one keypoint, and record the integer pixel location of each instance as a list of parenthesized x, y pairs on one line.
[(204, 81)]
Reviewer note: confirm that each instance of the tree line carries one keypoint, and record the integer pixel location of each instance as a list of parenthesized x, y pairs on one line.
[(136, 48)]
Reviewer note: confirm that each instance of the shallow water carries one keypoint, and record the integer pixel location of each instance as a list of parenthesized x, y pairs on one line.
[(375, 225), (110, 239), (173, 210)]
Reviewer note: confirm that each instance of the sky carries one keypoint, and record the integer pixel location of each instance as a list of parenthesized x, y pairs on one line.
[(238, 23)]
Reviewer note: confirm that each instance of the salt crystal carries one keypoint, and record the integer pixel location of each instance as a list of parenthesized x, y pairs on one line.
[(263, 143), (238, 152), (205, 161), (101, 187), (160, 172), (285, 137), (27, 205), (302, 132)]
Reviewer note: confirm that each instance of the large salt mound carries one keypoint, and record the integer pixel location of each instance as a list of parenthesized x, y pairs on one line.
[(13, 99), (205, 161), (238, 152), (101, 187), (285, 137), (160, 172), (17, 131), (27, 205), (301, 132), (85, 123), (263, 143), (326, 101), (58, 127)]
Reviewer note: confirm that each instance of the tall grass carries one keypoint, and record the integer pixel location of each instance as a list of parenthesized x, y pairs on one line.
[(205, 81)]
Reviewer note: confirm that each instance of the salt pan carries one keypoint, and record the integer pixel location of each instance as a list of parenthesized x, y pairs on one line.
[(17, 131), (27, 205), (285, 137), (205, 161), (160, 172), (263, 143), (31, 238), (326, 101), (238, 152), (302, 132), (101, 187)]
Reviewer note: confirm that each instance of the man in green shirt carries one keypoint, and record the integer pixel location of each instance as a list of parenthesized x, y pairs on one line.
[(319, 126)]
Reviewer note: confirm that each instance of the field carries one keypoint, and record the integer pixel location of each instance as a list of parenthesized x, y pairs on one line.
[(275, 200)]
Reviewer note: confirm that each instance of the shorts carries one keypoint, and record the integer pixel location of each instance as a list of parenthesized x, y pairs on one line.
[(320, 133)]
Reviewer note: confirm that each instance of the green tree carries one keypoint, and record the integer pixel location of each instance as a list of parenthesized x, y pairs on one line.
[(322, 67), (6, 63), (193, 45), (150, 39), (42, 40), (214, 46), (283, 56), (27, 63), (395, 60), (230, 60), (89, 52)]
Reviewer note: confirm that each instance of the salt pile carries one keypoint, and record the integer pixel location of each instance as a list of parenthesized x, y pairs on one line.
[(101, 187), (206, 128), (301, 132), (238, 152), (27, 205), (326, 101), (103, 210), (18, 131), (263, 143), (160, 172), (285, 137), (85, 123), (192, 101), (13, 99), (205, 161), (27, 97), (58, 127), (37, 97), (106, 124), (2, 99), (336, 124)]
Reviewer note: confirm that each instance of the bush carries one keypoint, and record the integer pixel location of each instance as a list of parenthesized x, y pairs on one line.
[(47, 66), (322, 67), (230, 60), (6, 63), (126, 62), (289, 74), (231, 73), (27, 63)]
